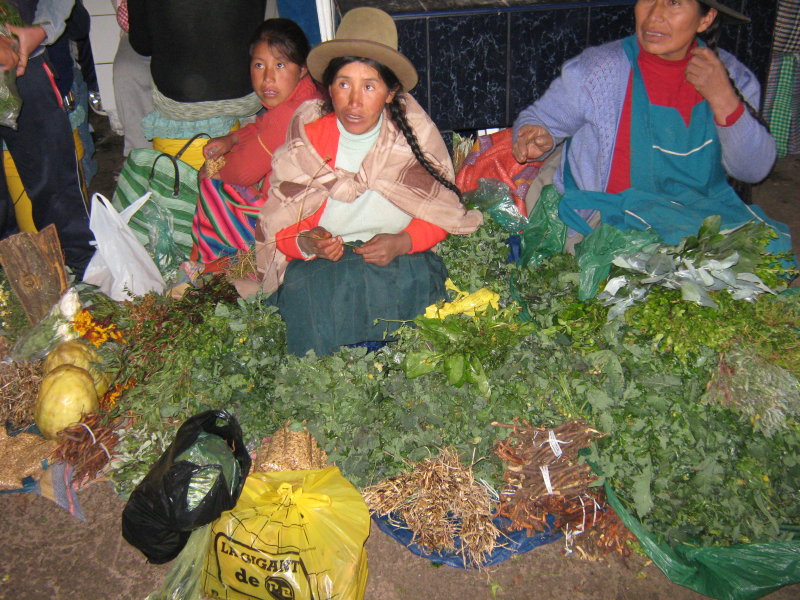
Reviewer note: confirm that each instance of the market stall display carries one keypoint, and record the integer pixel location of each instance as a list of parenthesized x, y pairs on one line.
[(686, 453)]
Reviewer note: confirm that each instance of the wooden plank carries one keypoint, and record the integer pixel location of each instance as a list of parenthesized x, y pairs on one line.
[(34, 265)]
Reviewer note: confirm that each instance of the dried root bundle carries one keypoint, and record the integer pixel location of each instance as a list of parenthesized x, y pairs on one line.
[(440, 502), (88, 446), (288, 450), (19, 386), (545, 477), (607, 536)]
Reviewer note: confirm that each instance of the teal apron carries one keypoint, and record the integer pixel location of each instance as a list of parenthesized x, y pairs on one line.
[(677, 177)]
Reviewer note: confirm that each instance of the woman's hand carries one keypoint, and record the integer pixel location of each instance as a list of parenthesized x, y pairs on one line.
[(384, 248), (217, 147), (9, 59), (319, 241), (214, 150), (532, 142), (709, 77), (30, 38)]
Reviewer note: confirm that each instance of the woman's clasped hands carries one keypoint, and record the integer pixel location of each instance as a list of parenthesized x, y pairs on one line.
[(380, 250)]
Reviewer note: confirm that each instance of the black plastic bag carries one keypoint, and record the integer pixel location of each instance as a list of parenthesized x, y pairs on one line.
[(178, 495)]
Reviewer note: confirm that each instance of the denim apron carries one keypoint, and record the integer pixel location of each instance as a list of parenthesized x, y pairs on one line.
[(677, 177)]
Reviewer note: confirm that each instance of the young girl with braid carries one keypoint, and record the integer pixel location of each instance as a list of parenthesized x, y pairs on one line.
[(359, 195), (654, 123)]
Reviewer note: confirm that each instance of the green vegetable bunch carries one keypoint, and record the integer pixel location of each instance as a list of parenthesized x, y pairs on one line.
[(463, 347), (480, 259)]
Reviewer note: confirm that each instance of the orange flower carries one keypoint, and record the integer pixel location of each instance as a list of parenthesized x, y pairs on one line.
[(93, 332), (109, 399)]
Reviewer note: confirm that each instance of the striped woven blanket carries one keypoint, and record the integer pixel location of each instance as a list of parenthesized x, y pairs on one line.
[(225, 220)]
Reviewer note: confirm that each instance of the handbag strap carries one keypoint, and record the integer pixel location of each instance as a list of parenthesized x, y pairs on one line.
[(189, 143), (176, 185)]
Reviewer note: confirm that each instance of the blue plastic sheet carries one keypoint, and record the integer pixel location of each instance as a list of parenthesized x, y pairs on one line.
[(515, 542)]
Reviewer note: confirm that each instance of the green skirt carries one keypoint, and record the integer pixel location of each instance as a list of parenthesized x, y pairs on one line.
[(330, 304)]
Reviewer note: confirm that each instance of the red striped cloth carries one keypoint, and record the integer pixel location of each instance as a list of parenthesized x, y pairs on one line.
[(225, 220)]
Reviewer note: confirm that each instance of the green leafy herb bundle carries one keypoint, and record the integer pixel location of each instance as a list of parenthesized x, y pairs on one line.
[(691, 468), (479, 259)]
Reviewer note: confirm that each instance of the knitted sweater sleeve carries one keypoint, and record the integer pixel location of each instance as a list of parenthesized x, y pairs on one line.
[(748, 149), (584, 103), (560, 110)]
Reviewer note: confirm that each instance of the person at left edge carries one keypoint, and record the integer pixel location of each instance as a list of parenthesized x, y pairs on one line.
[(42, 146)]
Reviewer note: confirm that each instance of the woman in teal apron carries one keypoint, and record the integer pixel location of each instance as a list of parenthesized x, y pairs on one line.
[(642, 155)]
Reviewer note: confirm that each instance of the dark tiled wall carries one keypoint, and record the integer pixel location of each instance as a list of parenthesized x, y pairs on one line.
[(478, 69)]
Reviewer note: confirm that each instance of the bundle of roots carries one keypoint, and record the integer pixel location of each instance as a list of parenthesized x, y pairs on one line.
[(443, 505)]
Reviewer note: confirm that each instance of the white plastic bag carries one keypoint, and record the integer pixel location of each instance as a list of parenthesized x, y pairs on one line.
[(121, 267)]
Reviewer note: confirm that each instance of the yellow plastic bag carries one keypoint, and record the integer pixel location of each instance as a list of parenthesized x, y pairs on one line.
[(464, 303), (293, 535)]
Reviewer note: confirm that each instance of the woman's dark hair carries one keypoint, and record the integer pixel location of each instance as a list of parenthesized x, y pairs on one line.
[(397, 110), (711, 37), (286, 36)]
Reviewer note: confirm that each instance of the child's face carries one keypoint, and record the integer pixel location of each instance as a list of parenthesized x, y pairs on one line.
[(273, 76)]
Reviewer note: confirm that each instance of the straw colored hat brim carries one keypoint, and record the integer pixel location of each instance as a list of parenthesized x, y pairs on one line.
[(365, 33), (730, 15)]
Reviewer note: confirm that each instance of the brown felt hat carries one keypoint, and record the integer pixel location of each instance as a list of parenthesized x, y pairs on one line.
[(730, 15), (365, 33)]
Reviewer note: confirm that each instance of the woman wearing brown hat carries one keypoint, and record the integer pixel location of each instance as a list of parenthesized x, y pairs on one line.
[(656, 123), (359, 194)]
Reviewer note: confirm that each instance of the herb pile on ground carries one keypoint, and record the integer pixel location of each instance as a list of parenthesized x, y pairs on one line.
[(691, 468)]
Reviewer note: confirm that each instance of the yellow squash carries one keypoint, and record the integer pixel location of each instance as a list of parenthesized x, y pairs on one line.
[(67, 392), (81, 355)]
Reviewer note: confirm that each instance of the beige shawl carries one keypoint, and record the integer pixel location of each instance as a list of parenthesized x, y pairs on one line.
[(302, 181)]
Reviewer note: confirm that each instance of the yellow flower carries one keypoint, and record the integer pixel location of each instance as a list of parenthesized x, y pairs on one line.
[(4, 312)]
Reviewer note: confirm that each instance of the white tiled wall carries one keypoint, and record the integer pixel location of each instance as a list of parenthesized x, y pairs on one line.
[(104, 35)]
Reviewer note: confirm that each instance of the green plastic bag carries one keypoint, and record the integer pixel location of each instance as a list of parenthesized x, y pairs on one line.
[(494, 198), (213, 454), (741, 572), (598, 249), (182, 581), (174, 187), (544, 234)]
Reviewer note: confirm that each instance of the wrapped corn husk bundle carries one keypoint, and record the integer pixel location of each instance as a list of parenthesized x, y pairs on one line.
[(288, 450)]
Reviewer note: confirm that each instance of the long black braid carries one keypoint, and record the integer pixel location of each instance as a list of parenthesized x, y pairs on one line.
[(711, 37), (397, 111)]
